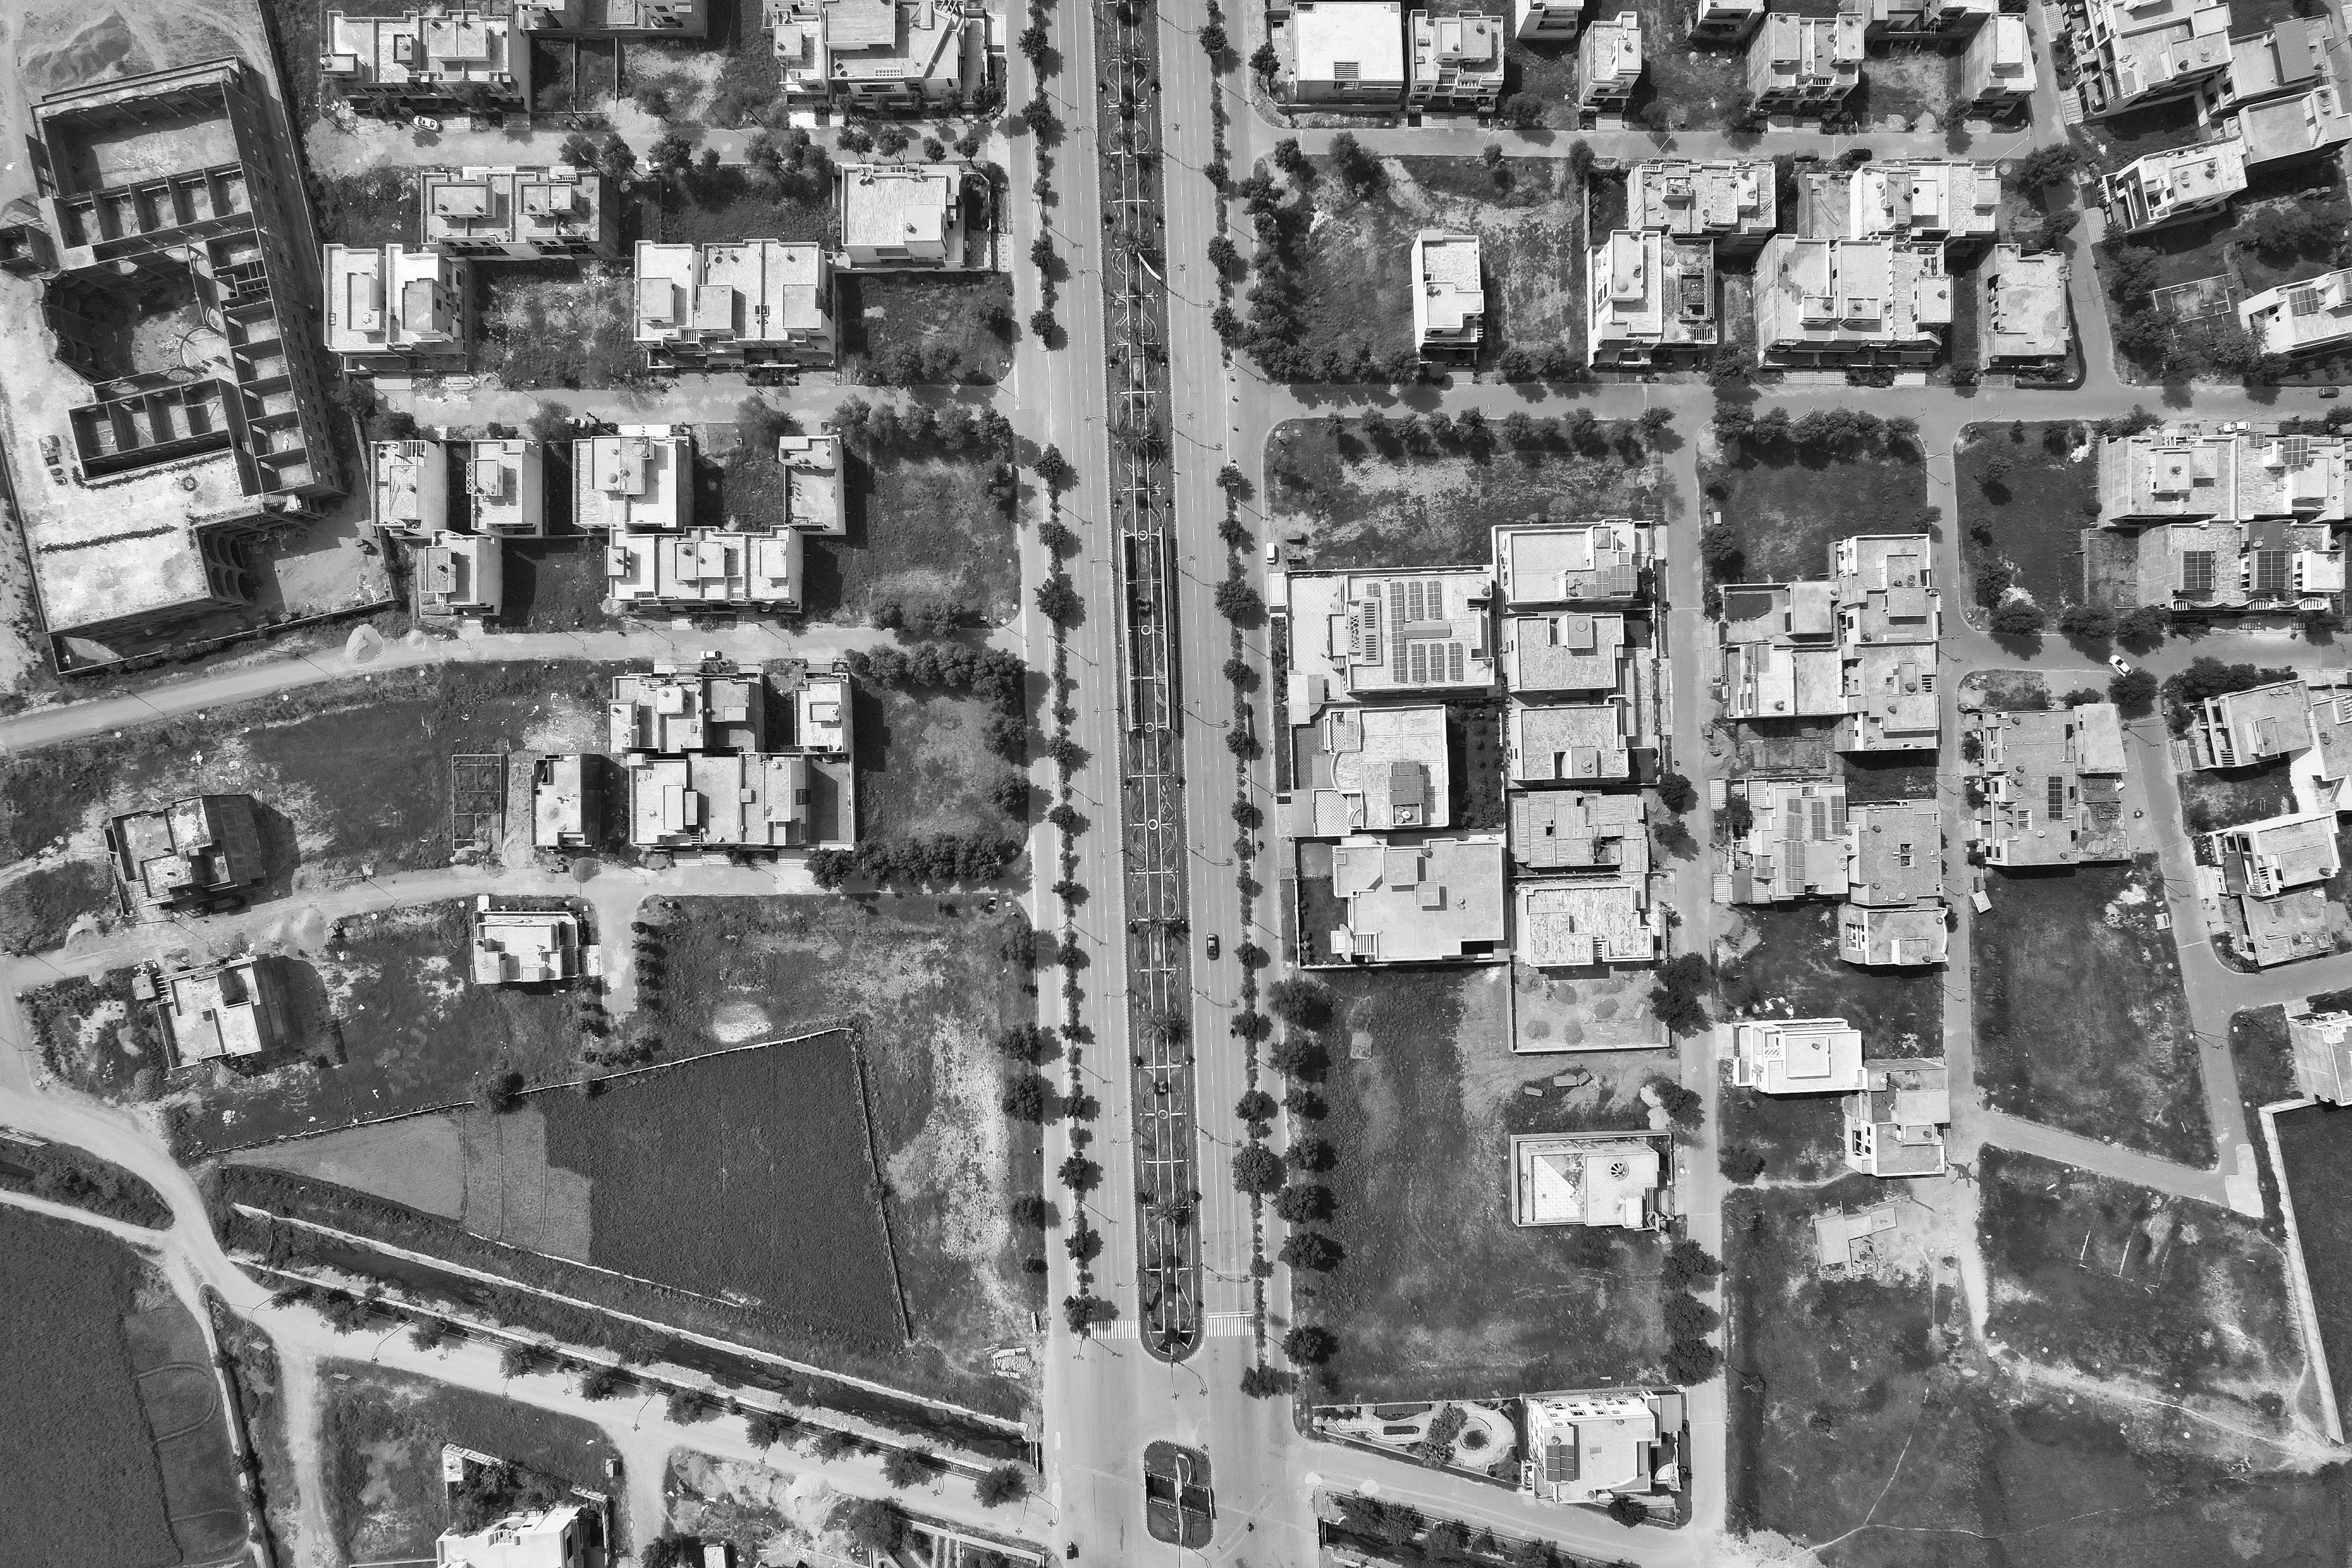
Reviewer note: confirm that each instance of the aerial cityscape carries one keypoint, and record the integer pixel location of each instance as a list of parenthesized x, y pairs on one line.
[(955, 783)]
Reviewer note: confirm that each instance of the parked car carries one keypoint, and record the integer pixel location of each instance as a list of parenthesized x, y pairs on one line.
[(2329, 391), (1273, 551), (1215, 947), (424, 122), (2120, 665)]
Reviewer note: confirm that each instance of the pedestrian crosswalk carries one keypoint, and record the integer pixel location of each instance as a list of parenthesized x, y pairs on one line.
[(1219, 1325)]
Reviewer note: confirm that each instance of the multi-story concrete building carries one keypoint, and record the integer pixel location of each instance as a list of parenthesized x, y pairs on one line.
[(1794, 1055), (192, 852), (675, 708), (889, 56), (1780, 651), (215, 1011), (511, 213), (1594, 1447), (567, 801), (2310, 317), (2247, 728), (2273, 878), (1574, 831), (2294, 55), (1998, 73), (1546, 20), (1851, 301), (493, 486), (1342, 54), (705, 570), (1933, 23), (1449, 297), (1587, 741), (1895, 1123), (1794, 844), (1376, 634), (2024, 320), (1651, 300), (172, 184), (1555, 566), (2051, 786), (814, 500), (2288, 131), (1590, 1178), (1723, 21), (639, 480), (411, 484), (1893, 912), (459, 576), (1363, 768), (506, 486), (394, 309), (1803, 65), (1730, 200), (2132, 52), (615, 18), (904, 218), (1458, 63), (1609, 63), (735, 306), (1950, 200), (2189, 471), (1391, 900), (515, 946), (1567, 651), (426, 60), (1579, 922)]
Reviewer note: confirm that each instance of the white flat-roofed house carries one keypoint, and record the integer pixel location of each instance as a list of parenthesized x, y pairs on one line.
[(2275, 876), (639, 480), (1567, 651), (2247, 728), (563, 1536), (1449, 297), (2321, 1044), (734, 306), (2299, 318), (1651, 300), (1420, 901), (673, 709), (1894, 915), (1826, 302), (1568, 742), (1796, 1056), (1804, 65), (1576, 831), (1552, 19), (1457, 62), (2024, 320), (1794, 846), (187, 854), (901, 217), (511, 212), (1342, 54), (221, 1010), (2295, 54), (1588, 1448), (506, 482), (1579, 922), (2288, 131), (459, 576), (1895, 1123), (2051, 782), (567, 801), (411, 482), (1609, 63), (524, 947), (1391, 633), (1589, 1178), (1998, 73), (1605, 562), (1779, 657), (1734, 202), (733, 801), (705, 569), (813, 498), (1723, 21), (428, 60), (2134, 52), (1918, 22), (391, 308), (894, 55), (821, 715), (610, 18), (2159, 189), (1950, 199), (1374, 770)]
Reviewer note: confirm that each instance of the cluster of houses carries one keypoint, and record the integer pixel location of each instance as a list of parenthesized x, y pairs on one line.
[(2270, 99), (1865, 277), (696, 764), (2219, 520), (204, 853), (2268, 882), (1894, 1109), (1380, 56), (733, 305), (1851, 658), (1393, 683), (910, 56), (456, 502)]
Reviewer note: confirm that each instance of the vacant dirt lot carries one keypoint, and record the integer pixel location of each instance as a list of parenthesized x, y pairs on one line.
[(2081, 1021), (1349, 499)]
